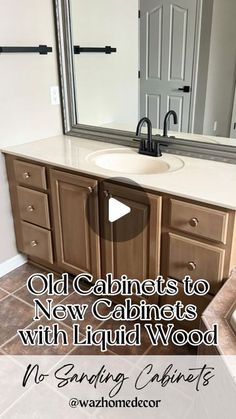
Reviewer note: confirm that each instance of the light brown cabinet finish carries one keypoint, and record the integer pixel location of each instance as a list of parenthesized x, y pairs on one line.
[(74, 208), (196, 259), (33, 207), (191, 236), (37, 242), (200, 221), (29, 174), (138, 257)]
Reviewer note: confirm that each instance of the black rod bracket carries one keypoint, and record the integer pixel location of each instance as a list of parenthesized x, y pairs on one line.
[(41, 49), (105, 50)]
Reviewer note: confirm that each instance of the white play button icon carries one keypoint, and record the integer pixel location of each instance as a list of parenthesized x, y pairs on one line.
[(120, 197), (117, 210)]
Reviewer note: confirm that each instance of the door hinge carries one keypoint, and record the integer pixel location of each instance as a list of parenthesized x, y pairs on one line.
[(139, 74), (139, 14)]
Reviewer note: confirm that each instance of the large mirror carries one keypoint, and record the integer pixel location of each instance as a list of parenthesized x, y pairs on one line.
[(125, 59)]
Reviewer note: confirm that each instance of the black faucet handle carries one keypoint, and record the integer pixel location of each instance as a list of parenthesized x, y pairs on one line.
[(158, 146), (142, 146), (158, 140)]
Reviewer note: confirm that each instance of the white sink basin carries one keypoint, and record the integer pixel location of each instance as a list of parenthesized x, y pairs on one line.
[(128, 161)]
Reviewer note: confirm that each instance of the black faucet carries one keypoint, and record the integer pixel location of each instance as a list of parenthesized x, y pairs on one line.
[(166, 121), (148, 147)]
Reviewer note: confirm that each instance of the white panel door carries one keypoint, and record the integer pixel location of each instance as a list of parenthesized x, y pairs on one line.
[(167, 39)]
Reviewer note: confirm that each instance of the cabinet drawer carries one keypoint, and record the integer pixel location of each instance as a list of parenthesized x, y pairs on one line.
[(30, 174), (196, 259), (201, 302), (37, 242), (200, 221), (33, 206)]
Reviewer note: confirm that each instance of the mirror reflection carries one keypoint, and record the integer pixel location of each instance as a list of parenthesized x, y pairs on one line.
[(164, 55)]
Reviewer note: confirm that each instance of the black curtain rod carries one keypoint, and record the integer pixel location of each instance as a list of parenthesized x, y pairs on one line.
[(106, 50), (41, 49)]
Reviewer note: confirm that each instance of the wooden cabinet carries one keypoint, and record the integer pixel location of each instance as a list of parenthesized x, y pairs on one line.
[(31, 215), (131, 245), (74, 210), (197, 240), (61, 222)]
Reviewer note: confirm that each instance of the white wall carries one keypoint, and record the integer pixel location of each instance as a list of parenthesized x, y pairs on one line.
[(222, 69), (107, 85), (26, 113)]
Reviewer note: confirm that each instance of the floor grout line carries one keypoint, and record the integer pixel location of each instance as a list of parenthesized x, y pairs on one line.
[(13, 292), (22, 301), (15, 336), (4, 298), (2, 289), (28, 324), (17, 289), (63, 323), (32, 305)]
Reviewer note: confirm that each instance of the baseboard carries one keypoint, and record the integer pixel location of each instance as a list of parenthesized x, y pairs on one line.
[(11, 264)]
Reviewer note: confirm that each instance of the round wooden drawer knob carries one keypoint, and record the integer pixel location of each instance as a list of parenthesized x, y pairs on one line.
[(192, 266), (30, 208), (33, 243), (26, 175), (194, 222)]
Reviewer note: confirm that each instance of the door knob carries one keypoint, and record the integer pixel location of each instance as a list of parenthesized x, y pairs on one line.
[(185, 89)]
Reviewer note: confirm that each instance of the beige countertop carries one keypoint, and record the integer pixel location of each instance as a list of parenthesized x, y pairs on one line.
[(201, 180)]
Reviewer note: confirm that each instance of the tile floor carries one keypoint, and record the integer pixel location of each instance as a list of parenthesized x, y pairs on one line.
[(17, 311)]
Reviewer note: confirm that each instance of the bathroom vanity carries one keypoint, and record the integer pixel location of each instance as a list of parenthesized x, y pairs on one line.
[(59, 192)]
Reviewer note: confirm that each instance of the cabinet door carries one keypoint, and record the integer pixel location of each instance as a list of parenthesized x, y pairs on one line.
[(75, 209), (139, 256)]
